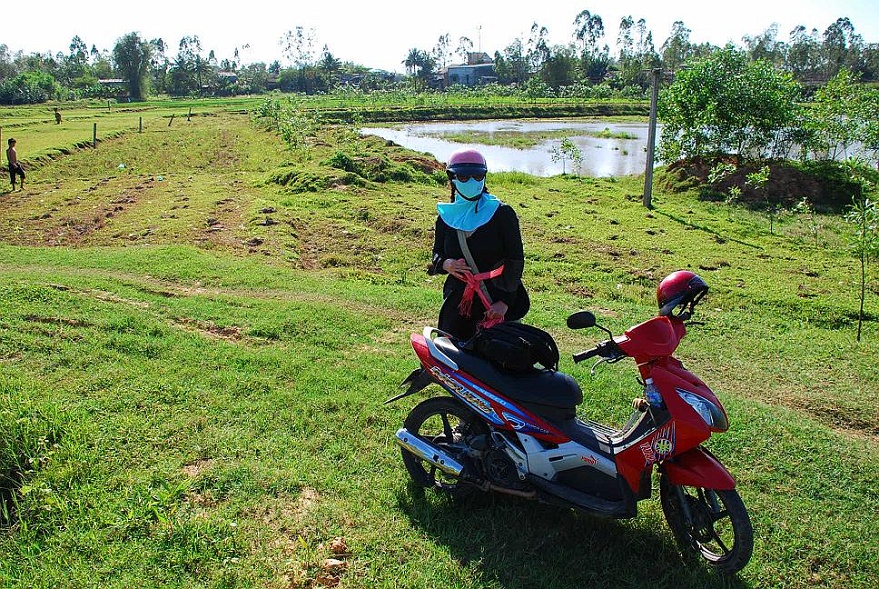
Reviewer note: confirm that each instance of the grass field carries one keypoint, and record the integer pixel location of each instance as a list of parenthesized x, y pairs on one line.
[(195, 348)]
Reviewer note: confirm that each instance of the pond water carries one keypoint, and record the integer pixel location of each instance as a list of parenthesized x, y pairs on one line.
[(602, 157)]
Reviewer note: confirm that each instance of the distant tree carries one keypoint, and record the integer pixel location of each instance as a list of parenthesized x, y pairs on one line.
[(512, 65), (30, 87), (441, 52), (420, 66), (328, 62), (677, 49), (635, 59), (841, 48), (191, 72), (411, 61), (7, 63), (131, 55), (560, 68), (625, 41), (841, 115), (588, 29), (159, 65), (465, 46), (804, 54), (725, 104), (252, 78), (74, 66), (537, 51), (297, 45), (766, 46)]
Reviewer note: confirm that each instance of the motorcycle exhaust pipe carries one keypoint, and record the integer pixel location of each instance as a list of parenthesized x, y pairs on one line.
[(428, 452)]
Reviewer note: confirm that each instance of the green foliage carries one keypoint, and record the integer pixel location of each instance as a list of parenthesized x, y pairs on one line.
[(31, 433), (29, 88), (863, 215), (842, 115), (724, 103), (132, 56), (296, 125), (566, 151)]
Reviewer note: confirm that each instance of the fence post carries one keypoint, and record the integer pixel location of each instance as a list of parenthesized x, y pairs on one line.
[(108, 106), (140, 125), (189, 115), (94, 135), (171, 120)]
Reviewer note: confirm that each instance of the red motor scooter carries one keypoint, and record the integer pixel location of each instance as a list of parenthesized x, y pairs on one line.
[(517, 433)]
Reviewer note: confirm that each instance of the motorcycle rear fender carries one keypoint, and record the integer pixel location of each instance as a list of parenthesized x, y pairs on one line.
[(698, 468), (417, 380)]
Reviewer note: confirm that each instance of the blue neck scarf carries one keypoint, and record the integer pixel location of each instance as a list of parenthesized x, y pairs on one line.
[(468, 215)]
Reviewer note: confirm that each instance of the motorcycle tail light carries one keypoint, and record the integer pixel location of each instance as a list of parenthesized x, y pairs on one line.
[(711, 414)]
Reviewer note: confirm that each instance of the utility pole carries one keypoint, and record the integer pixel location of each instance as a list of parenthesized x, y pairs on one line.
[(651, 139)]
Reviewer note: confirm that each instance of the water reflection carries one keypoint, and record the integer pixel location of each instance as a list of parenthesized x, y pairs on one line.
[(602, 157)]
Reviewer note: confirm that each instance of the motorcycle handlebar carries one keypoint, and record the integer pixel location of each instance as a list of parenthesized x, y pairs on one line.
[(606, 349), (585, 355)]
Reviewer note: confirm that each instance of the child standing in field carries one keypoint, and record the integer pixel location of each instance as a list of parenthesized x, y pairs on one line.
[(15, 168)]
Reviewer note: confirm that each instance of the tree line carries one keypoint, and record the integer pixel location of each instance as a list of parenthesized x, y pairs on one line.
[(147, 67)]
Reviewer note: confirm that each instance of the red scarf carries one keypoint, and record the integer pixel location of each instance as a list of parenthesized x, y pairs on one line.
[(473, 286)]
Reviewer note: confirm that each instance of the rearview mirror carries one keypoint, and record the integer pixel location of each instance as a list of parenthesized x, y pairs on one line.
[(581, 319)]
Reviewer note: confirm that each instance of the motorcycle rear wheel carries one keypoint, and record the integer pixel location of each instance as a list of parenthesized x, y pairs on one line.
[(448, 424), (719, 530)]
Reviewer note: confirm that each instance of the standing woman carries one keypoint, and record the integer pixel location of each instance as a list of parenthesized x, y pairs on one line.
[(478, 244)]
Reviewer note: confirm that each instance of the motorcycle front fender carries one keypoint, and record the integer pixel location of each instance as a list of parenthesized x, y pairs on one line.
[(698, 468)]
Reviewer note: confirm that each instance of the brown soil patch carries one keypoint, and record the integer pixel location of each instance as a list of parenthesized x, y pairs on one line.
[(193, 469), (822, 185), (209, 329)]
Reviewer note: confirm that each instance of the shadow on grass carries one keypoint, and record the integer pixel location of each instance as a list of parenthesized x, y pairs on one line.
[(717, 236), (518, 544)]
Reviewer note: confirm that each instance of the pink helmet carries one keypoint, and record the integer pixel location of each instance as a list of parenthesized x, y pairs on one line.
[(680, 289), (467, 161)]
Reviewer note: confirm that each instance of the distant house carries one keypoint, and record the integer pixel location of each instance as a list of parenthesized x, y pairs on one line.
[(117, 86), (478, 70), (226, 78)]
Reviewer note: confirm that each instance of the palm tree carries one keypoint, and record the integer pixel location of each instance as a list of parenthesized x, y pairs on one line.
[(411, 61)]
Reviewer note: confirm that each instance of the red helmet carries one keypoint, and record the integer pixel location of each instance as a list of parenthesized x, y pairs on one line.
[(680, 289), (467, 161)]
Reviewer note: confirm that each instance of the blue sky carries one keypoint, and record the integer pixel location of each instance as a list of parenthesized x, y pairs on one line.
[(380, 33)]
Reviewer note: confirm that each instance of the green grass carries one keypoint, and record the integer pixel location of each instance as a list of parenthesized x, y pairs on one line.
[(194, 357), (525, 139)]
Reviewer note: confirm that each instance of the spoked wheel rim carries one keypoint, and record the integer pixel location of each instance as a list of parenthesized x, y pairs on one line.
[(711, 523), (447, 424)]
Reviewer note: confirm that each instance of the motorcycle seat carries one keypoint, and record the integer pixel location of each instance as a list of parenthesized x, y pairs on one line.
[(542, 387)]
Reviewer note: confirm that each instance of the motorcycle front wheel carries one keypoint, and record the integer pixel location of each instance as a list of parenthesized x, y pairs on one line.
[(447, 424), (711, 523)]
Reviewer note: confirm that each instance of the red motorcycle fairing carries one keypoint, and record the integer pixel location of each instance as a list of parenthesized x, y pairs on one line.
[(484, 400), (670, 375), (698, 468), (655, 338)]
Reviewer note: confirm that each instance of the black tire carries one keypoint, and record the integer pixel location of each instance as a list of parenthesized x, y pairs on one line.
[(448, 424), (720, 532)]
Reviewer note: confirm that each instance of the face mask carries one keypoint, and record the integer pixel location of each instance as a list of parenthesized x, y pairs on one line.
[(468, 214), (471, 189)]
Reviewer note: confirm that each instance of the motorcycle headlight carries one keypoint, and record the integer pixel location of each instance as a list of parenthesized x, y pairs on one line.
[(710, 413)]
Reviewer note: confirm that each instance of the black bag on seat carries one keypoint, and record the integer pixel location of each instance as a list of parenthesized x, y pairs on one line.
[(515, 346)]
